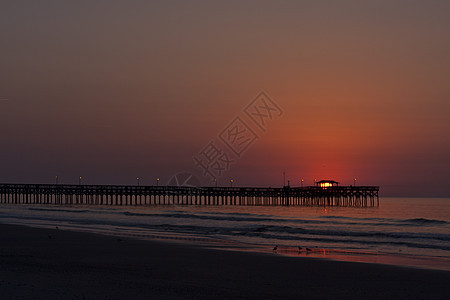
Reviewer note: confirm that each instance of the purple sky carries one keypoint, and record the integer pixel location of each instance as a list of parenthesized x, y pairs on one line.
[(115, 90)]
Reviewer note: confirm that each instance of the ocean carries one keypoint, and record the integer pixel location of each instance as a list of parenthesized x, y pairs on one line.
[(402, 231)]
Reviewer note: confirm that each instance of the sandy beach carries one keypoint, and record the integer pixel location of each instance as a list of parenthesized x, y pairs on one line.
[(54, 263)]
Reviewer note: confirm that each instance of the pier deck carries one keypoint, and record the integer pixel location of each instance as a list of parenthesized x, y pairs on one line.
[(62, 194)]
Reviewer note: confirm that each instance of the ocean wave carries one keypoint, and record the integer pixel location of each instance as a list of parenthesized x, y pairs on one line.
[(231, 218), (258, 228), (323, 220), (286, 232), (256, 218), (423, 221), (382, 223), (223, 217), (390, 221), (266, 226), (76, 211), (265, 233), (348, 233)]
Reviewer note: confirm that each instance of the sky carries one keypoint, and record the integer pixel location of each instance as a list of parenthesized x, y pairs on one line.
[(115, 90)]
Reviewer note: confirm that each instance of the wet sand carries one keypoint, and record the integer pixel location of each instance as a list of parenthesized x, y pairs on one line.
[(54, 263)]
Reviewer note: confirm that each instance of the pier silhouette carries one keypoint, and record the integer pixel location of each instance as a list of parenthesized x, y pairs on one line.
[(64, 194)]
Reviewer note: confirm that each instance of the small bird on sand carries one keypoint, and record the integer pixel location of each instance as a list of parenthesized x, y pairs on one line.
[(308, 250), (275, 248), (299, 249)]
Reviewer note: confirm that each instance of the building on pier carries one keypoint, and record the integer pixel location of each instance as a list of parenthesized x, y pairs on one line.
[(326, 183)]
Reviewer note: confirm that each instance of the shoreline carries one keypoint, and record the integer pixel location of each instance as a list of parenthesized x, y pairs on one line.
[(44, 263), (390, 259)]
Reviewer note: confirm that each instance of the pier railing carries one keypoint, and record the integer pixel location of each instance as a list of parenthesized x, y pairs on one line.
[(62, 194)]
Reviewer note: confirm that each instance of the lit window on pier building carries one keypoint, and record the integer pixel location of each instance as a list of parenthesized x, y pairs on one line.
[(326, 183)]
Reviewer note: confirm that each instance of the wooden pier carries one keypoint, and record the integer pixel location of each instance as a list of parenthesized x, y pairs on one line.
[(62, 194)]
